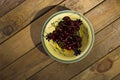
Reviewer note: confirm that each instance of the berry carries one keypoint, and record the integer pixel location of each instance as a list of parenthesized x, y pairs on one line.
[(66, 34), (66, 18)]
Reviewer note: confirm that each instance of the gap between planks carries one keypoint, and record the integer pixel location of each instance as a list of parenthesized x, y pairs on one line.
[(7, 5), (117, 77)]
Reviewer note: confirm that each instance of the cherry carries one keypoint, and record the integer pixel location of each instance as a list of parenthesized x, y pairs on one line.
[(66, 18), (65, 34)]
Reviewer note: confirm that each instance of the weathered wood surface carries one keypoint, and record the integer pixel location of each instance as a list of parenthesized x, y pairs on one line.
[(32, 36), (66, 71), (104, 14), (104, 69), (117, 77), (22, 15), (20, 48), (8, 5), (9, 51), (22, 56), (105, 45), (26, 66)]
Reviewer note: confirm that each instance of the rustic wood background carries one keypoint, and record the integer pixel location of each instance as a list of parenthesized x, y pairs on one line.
[(22, 56)]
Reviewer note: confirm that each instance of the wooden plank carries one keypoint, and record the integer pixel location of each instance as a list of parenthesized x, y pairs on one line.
[(105, 12), (18, 50), (59, 71), (117, 77), (82, 6), (26, 66), (22, 15), (7, 5), (104, 69)]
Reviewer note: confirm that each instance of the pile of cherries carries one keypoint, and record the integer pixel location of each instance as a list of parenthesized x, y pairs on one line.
[(66, 34)]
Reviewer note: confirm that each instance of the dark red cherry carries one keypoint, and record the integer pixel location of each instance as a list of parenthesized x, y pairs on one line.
[(66, 18), (66, 34)]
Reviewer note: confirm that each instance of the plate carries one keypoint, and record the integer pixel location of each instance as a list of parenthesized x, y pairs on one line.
[(62, 55)]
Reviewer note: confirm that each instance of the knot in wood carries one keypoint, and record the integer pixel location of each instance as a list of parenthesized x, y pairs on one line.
[(104, 65), (7, 30)]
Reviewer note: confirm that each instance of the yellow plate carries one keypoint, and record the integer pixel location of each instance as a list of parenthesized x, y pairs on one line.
[(62, 55)]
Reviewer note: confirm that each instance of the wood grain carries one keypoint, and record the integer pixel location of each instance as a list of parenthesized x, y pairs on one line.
[(22, 15), (107, 12), (20, 49), (80, 5), (8, 5), (56, 70), (22, 43), (117, 77), (26, 40), (29, 37), (24, 73), (26, 66), (104, 69)]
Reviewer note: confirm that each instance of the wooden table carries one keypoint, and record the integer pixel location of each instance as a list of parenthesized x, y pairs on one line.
[(22, 56)]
